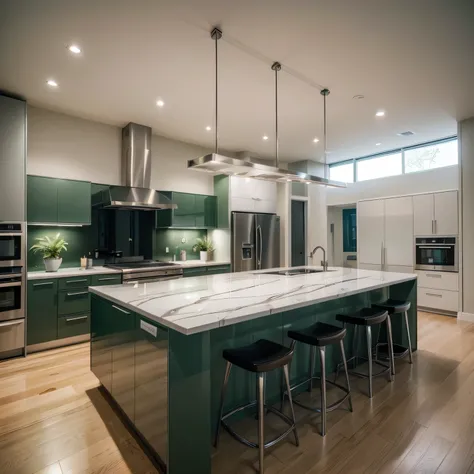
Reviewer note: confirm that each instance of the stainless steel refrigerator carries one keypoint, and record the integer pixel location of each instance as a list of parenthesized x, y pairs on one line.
[(255, 241)]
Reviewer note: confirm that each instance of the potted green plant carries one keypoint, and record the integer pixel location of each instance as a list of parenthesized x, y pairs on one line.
[(205, 248), (50, 248)]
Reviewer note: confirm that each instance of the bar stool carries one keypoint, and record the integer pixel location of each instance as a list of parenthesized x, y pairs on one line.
[(260, 357), (368, 317), (321, 335), (394, 307)]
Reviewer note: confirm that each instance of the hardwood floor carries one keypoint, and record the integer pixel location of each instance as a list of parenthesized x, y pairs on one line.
[(54, 420)]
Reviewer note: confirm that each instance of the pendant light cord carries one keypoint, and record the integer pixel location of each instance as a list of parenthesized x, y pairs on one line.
[(276, 67), (325, 93), (216, 35)]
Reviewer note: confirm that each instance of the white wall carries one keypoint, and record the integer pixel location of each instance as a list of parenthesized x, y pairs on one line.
[(440, 179), (63, 146)]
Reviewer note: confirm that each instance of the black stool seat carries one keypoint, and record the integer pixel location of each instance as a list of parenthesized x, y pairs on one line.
[(364, 317), (393, 306), (319, 334), (260, 356)]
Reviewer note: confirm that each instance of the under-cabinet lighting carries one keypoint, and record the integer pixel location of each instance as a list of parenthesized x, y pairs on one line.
[(52, 224)]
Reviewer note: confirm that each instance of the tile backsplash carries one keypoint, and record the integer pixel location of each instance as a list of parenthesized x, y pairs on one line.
[(172, 238)]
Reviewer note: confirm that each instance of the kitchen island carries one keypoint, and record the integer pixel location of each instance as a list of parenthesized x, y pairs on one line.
[(157, 347)]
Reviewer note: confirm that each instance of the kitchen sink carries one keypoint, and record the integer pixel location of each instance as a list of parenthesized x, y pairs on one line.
[(297, 271)]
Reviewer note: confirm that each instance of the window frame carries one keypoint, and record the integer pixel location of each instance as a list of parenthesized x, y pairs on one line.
[(391, 152)]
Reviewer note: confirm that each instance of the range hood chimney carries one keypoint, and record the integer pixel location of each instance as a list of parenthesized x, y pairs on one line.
[(135, 194)]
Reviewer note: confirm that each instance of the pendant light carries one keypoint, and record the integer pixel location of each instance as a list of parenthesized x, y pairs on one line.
[(218, 164), (325, 93)]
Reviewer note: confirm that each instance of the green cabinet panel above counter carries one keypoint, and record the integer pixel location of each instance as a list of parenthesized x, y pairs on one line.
[(58, 201), (193, 211)]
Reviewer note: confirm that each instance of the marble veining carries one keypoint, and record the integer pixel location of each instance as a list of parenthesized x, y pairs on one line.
[(196, 304)]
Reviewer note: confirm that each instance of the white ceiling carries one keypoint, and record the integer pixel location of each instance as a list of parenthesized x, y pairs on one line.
[(413, 59)]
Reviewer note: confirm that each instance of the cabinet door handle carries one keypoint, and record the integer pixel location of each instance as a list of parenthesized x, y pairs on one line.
[(429, 275), (108, 279), (436, 226), (78, 293), (46, 283), (434, 294), (120, 309), (432, 226), (76, 281), (76, 319)]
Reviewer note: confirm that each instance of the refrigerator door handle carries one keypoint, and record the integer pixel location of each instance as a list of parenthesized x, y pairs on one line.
[(259, 247)]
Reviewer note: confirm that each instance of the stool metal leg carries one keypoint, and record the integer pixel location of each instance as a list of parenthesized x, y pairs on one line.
[(368, 330), (390, 349), (311, 368), (290, 399), (261, 419), (343, 354), (322, 353), (355, 345), (221, 410), (410, 356)]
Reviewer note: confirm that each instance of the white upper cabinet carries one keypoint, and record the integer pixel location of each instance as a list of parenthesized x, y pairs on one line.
[(436, 214), (446, 213), (253, 195), (423, 209), (399, 237), (370, 232)]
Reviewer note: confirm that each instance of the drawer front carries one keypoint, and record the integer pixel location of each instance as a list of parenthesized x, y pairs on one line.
[(69, 326), (438, 299), (218, 269), (74, 282), (73, 301), (12, 335), (101, 280), (438, 280), (198, 271)]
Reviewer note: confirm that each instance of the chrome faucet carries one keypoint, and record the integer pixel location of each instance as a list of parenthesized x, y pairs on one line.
[(324, 263)]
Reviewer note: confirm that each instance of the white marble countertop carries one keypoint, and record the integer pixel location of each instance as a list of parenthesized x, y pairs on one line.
[(70, 272), (197, 304), (198, 263)]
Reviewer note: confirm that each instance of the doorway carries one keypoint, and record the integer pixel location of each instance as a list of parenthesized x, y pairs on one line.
[(298, 233)]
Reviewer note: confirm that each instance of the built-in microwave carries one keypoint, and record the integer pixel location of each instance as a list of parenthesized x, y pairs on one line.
[(436, 253), (12, 294), (12, 246)]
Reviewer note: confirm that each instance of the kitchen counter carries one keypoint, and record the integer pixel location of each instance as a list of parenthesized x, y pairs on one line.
[(70, 272), (208, 302), (167, 338)]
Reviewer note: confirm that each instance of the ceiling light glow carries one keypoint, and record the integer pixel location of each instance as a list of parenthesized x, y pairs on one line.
[(208, 128), (52, 83), (380, 113), (377, 144), (74, 49), (265, 137), (315, 140), (160, 103)]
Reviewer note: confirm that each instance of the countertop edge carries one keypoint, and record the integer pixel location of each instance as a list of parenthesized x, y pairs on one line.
[(73, 272)]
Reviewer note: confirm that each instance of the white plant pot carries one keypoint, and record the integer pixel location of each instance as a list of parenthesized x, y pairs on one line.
[(203, 256), (52, 264)]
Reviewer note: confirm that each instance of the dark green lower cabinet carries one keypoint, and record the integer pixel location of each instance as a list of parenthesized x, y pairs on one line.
[(210, 270), (74, 301), (197, 271), (73, 325), (151, 384), (217, 269), (42, 319)]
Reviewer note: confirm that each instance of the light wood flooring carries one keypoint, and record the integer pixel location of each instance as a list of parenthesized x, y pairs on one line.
[(54, 420)]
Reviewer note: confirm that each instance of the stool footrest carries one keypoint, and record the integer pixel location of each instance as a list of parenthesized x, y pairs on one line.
[(251, 444), (399, 352)]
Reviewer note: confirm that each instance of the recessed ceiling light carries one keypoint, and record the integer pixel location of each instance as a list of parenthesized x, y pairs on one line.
[(265, 137), (208, 128), (380, 113), (74, 49), (377, 144), (52, 83), (160, 103), (316, 140)]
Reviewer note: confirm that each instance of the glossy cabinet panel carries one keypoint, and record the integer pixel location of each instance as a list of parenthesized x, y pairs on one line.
[(42, 311), (58, 201), (73, 301), (102, 280), (73, 325), (198, 271), (42, 199), (74, 282), (151, 384), (193, 211), (211, 270), (74, 201)]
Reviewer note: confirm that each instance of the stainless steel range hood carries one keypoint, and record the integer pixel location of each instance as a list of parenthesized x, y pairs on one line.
[(135, 194), (219, 164)]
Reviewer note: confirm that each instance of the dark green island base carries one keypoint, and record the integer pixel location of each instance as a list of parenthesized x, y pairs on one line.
[(168, 384)]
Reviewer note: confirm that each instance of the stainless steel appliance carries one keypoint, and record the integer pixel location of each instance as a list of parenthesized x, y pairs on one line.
[(436, 253), (255, 241), (146, 271), (12, 244)]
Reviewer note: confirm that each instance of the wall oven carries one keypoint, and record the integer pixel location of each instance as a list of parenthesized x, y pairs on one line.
[(12, 245), (436, 253), (12, 294)]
